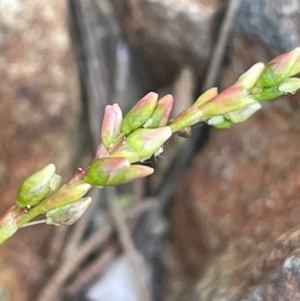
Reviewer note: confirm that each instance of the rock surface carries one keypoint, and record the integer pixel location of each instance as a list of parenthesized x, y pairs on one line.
[(274, 22), (40, 107), (171, 33), (235, 218)]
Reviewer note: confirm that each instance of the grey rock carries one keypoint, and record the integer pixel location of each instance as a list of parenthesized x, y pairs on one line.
[(274, 22)]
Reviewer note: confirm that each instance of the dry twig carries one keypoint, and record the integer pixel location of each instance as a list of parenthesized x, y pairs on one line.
[(96, 241), (219, 51), (135, 260)]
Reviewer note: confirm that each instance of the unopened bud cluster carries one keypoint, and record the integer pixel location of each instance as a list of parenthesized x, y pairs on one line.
[(238, 102), (141, 133), (126, 141)]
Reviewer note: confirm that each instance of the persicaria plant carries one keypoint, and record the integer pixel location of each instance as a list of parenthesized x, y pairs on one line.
[(127, 141)]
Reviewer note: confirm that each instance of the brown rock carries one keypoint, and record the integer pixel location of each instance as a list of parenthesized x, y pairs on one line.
[(40, 106), (240, 195)]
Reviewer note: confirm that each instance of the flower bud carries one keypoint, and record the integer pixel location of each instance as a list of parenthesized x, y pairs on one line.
[(226, 120), (243, 114), (54, 184), (111, 125), (206, 96), (114, 171), (148, 141), (161, 113), (36, 187), (103, 171), (187, 118), (233, 98), (68, 214), (260, 94), (137, 171), (140, 113), (67, 194), (279, 69), (123, 150), (290, 85), (250, 77)]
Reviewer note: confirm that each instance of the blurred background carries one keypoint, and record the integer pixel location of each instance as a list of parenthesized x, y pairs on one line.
[(219, 219)]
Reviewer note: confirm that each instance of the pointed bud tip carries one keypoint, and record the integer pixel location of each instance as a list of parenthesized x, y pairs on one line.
[(250, 77), (140, 113)]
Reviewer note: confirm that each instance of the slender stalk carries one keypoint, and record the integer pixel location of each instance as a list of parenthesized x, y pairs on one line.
[(42, 221)]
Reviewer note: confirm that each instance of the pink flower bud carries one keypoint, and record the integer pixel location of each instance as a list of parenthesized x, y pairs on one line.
[(67, 194), (161, 113), (111, 125), (137, 171), (279, 69), (123, 150), (114, 171), (140, 113), (206, 96), (148, 141), (233, 98), (103, 170)]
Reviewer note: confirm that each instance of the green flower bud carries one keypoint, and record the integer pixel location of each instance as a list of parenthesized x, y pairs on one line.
[(36, 187), (279, 69), (290, 85), (54, 184), (226, 120), (260, 94), (160, 115), (114, 171), (234, 98), (123, 150), (148, 141), (140, 113), (67, 194), (68, 214), (106, 171)]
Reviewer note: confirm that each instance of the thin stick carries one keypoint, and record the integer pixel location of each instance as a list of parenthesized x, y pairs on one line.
[(219, 51), (93, 243), (68, 267), (136, 262), (93, 270)]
